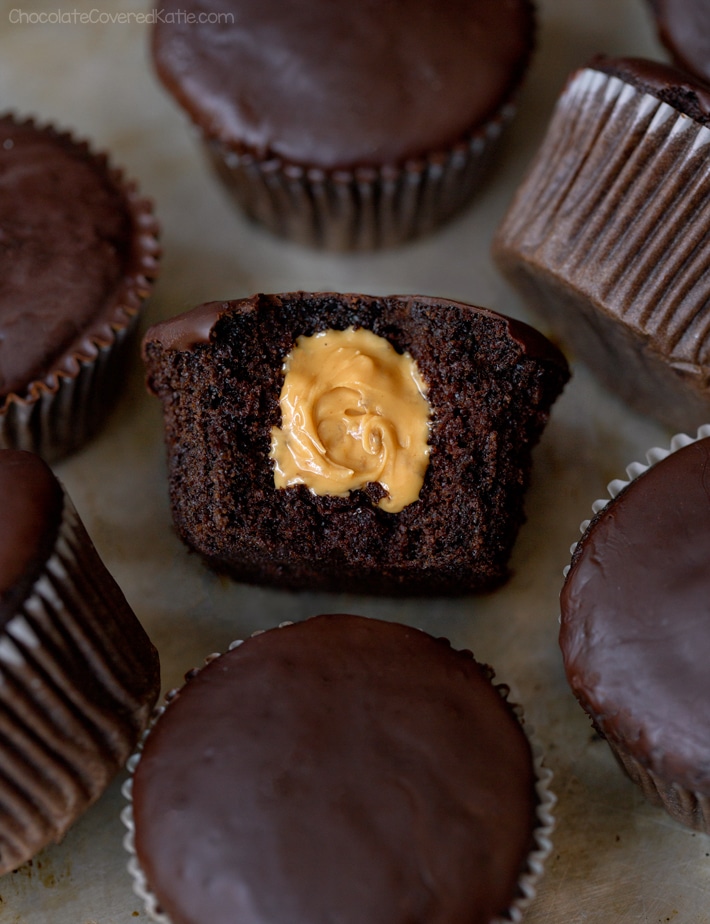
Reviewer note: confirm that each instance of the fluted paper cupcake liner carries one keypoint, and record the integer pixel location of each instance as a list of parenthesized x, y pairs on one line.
[(612, 221), (691, 809), (359, 209), (529, 877), (686, 806), (74, 695), (58, 413)]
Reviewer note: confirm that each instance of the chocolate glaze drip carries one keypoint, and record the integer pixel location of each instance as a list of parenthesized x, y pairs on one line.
[(334, 85), (635, 634), (339, 769)]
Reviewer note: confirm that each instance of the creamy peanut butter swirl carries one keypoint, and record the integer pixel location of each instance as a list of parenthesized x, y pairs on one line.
[(353, 411)]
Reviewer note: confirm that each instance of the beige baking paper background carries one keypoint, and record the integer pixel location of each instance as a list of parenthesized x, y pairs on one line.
[(615, 859)]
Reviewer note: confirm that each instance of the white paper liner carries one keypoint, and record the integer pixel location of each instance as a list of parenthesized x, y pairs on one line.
[(686, 806), (634, 469), (535, 862)]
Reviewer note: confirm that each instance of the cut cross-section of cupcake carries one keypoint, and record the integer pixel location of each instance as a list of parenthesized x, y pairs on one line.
[(352, 442)]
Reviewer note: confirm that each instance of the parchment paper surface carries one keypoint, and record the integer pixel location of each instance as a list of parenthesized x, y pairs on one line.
[(615, 859)]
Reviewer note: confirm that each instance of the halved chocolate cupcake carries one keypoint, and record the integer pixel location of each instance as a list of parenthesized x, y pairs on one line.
[(353, 125), (352, 442), (78, 674), (78, 255)]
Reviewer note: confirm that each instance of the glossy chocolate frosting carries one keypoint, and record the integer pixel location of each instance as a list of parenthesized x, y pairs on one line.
[(31, 504), (340, 769), (65, 232), (635, 633), (332, 85), (669, 84), (185, 331), (684, 28)]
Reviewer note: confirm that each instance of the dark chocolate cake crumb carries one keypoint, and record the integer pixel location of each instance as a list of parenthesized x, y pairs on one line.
[(490, 380)]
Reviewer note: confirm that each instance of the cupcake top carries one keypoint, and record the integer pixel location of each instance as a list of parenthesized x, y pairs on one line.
[(635, 635), (70, 262), (684, 28), (340, 768), (669, 84), (201, 325), (31, 504), (338, 85)]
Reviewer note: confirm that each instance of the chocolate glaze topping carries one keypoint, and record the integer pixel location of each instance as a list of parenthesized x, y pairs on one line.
[(333, 85), (667, 83), (342, 769), (635, 633), (186, 331), (684, 28), (64, 243), (31, 504)]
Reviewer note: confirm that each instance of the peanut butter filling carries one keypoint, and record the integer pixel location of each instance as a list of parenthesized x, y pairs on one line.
[(353, 411)]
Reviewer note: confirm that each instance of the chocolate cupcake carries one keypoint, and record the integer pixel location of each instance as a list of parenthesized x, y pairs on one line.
[(78, 675), (634, 632), (684, 28), (341, 768), (347, 126), (351, 442), (78, 254), (607, 238)]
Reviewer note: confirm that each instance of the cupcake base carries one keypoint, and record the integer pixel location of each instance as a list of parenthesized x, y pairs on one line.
[(78, 680), (361, 209), (57, 420), (606, 240), (691, 809)]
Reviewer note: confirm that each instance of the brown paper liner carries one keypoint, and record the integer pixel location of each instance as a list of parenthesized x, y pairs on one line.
[(691, 809), (529, 876), (78, 679), (56, 415), (687, 806), (363, 208), (607, 239)]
